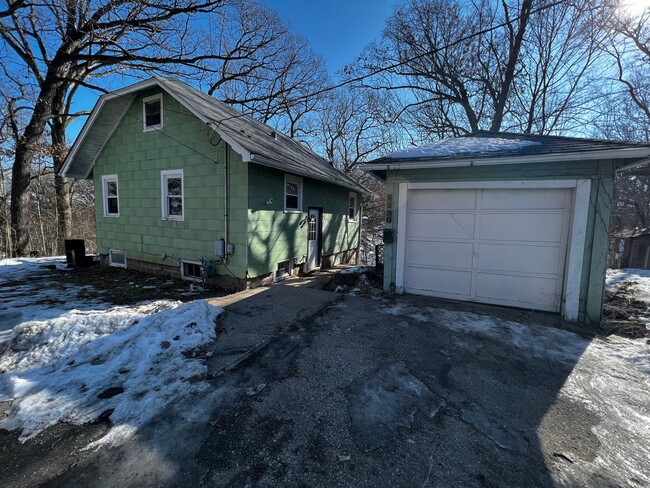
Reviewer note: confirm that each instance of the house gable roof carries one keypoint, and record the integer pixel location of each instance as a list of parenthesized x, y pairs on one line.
[(255, 141), (486, 148)]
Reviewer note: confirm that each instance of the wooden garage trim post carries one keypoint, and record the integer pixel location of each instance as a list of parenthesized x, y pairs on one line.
[(401, 237), (577, 250), (578, 229)]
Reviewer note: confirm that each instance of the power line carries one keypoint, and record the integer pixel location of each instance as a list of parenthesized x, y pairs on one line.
[(377, 71)]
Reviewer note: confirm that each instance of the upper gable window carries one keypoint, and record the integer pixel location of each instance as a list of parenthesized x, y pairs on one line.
[(292, 194), (172, 194), (111, 196), (152, 110)]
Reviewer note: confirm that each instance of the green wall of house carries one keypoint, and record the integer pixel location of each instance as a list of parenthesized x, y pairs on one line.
[(262, 234), (274, 235), (137, 158), (601, 174)]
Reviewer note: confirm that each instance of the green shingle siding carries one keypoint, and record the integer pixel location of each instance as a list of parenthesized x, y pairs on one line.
[(262, 234), (275, 236), (138, 157)]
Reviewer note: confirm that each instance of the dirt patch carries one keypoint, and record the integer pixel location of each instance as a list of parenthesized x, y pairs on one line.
[(126, 286), (367, 282), (623, 314)]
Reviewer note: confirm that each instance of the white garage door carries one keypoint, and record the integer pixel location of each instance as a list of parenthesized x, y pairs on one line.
[(500, 246)]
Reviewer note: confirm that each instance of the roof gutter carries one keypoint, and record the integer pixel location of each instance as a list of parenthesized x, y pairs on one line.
[(628, 153), (272, 163)]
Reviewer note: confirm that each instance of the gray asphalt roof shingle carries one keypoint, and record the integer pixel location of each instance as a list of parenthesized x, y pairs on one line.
[(265, 145), (542, 144)]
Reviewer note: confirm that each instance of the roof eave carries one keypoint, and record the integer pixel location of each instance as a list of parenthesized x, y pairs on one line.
[(272, 163), (91, 119), (611, 154)]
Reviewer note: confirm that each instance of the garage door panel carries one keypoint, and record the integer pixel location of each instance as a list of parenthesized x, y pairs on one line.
[(442, 200), (515, 256), (530, 199), (527, 291), (519, 258), (445, 225), (523, 227), (428, 253), (438, 281)]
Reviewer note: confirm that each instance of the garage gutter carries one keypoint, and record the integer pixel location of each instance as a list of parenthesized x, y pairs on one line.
[(642, 155)]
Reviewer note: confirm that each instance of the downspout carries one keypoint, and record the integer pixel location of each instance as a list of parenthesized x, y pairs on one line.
[(226, 208), (359, 236)]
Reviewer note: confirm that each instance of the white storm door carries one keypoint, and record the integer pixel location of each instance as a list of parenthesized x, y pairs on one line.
[(313, 239)]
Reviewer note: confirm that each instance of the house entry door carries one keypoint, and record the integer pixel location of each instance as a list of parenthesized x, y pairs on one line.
[(314, 223)]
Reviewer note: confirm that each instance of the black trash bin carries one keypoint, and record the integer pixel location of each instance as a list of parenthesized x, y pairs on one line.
[(75, 252)]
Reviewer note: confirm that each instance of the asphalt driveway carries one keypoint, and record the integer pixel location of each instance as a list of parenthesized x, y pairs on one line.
[(396, 391)]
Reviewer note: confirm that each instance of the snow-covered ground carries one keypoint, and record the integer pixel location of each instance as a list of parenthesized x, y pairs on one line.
[(71, 360), (637, 279)]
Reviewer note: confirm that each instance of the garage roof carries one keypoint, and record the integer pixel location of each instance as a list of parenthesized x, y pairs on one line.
[(255, 141), (486, 148)]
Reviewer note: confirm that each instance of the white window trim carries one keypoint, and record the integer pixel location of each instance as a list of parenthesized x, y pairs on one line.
[(110, 258), (105, 180), (163, 192), (190, 278), (356, 207), (277, 277), (145, 127), (297, 180), (577, 231)]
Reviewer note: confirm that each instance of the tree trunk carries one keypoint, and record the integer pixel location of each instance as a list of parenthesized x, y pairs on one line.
[(516, 40), (20, 178), (26, 147), (63, 211), (61, 185)]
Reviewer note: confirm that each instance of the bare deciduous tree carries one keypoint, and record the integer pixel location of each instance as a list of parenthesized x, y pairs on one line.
[(57, 46), (460, 67), (266, 71)]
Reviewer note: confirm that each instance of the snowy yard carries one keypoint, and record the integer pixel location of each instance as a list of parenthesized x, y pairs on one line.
[(627, 302), (67, 359), (392, 385)]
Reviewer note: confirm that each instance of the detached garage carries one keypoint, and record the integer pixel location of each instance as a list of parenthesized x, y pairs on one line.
[(505, 219)]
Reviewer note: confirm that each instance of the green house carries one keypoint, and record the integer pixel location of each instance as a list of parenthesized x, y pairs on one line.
[(186, 185), (507, 219)]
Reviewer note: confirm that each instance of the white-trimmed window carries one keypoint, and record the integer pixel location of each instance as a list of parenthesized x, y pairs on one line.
[(191, 270), (283, 270), (111, 196), (152, 112), (117, 258), (173, 203), (352, 207), (292, 193)]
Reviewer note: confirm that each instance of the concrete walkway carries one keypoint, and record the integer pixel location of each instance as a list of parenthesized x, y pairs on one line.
[(254, 317)]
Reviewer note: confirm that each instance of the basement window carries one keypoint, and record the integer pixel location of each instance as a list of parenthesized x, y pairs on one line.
[(191, 270), (111, 197), (283, 270), (116, 258), (152, 112)]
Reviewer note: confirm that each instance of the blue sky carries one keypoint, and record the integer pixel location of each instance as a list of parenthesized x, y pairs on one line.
[(337, 30)]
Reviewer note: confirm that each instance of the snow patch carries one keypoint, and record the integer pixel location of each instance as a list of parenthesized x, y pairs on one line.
[(132, 360), (460, 146), (355, 269), (640, 278)]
